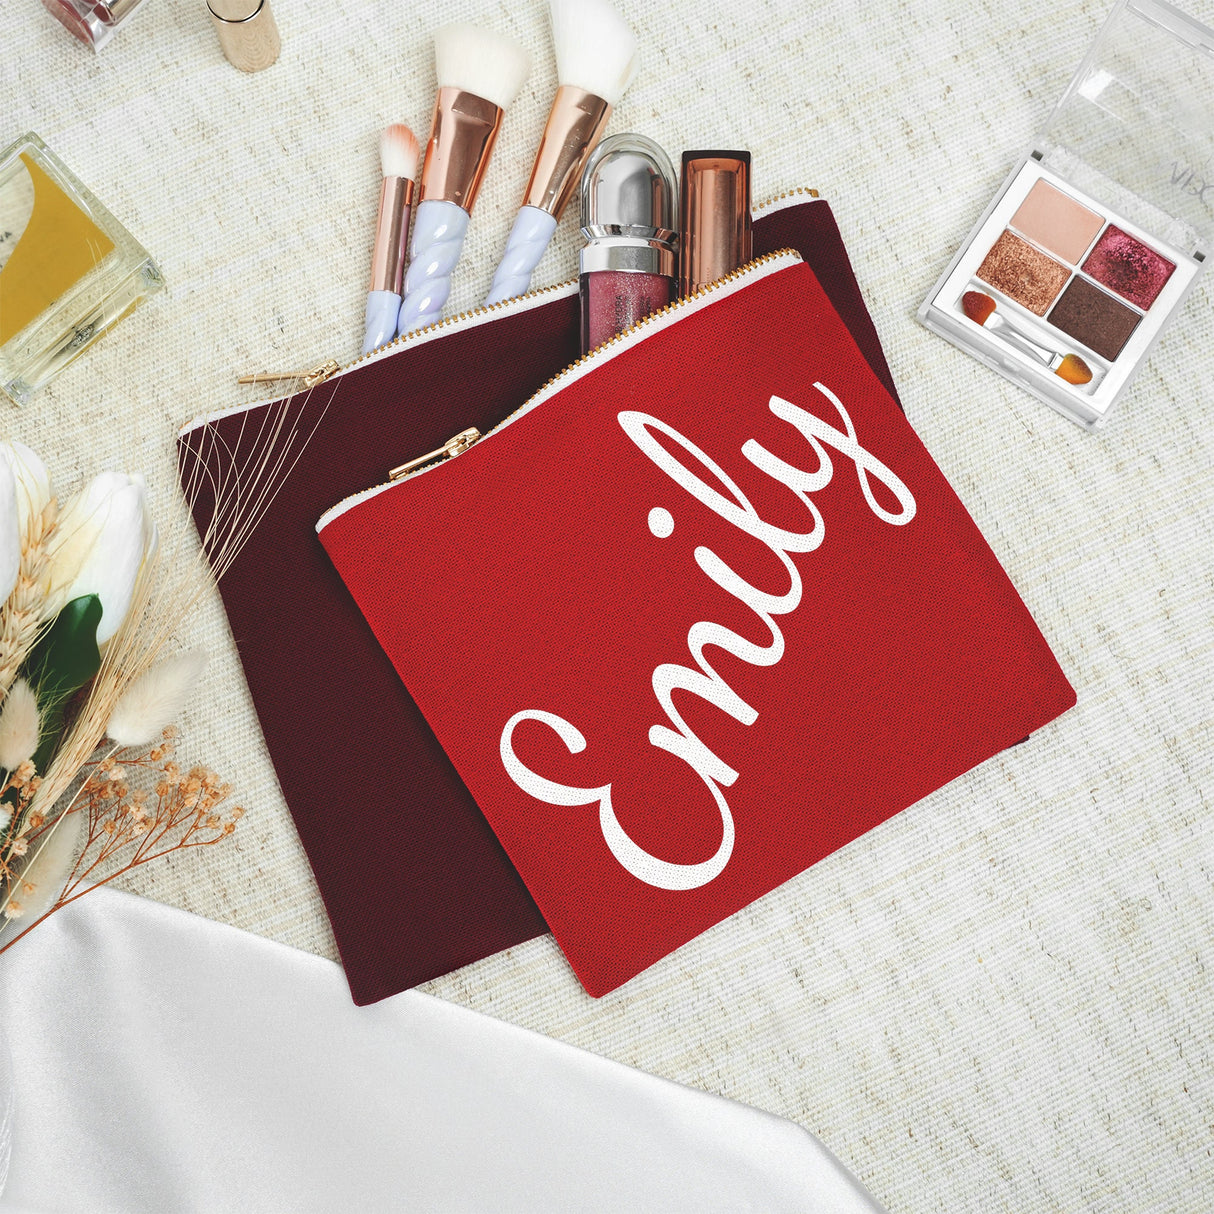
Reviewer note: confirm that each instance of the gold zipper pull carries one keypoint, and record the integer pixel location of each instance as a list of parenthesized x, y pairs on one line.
[(452, 447), (309, 379)]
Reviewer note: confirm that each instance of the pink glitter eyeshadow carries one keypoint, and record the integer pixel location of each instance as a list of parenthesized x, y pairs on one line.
[(1127, 266)]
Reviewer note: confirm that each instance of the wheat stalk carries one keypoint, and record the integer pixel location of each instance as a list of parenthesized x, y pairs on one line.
[(21, 616)]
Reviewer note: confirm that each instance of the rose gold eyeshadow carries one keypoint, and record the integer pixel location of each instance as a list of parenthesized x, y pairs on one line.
[(1056, 222), (1094, 318), (1023, 273), (1127, 266)]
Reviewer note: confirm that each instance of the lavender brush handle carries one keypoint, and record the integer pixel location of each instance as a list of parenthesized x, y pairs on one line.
[(438, 240), (383, 311), (528, 239)]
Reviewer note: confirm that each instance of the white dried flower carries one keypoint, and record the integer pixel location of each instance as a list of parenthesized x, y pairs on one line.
[(103, 537), (25, 489), (47, 870), (32, 481), (20, 722), (155, 699)]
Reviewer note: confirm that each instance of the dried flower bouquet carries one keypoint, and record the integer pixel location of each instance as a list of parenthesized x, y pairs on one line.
[(91, 683)]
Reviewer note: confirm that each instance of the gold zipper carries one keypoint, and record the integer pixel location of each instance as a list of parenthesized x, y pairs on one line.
[(331, 367), (451, 448), (795, 192), (465, 439), (309, 379), (649, 319)]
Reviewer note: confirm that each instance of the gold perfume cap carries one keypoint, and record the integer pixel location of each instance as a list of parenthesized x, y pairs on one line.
[(247, 32), (715, 226)]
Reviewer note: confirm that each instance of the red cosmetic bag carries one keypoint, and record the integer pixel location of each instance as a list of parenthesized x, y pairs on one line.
[(413, 879), (698, 613)]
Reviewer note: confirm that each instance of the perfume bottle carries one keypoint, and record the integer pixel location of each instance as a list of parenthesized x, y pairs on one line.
[(69, 271), (94, 22), (627, 266)]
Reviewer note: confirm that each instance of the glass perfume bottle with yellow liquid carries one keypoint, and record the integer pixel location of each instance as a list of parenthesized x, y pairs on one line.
[(69, 271)]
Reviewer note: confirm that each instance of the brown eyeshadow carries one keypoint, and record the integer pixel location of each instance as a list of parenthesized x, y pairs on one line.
[(1023, 273), (1097, 320)]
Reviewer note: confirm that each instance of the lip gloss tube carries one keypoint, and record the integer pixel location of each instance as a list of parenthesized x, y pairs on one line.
[(627, 266)]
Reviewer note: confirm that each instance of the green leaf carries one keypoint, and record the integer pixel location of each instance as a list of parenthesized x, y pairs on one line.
[(65, 658)]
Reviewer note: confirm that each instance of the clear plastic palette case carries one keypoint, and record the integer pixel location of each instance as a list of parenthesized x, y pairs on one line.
[(1095, 239)]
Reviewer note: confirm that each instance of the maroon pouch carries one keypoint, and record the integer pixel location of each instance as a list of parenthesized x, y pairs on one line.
[(413, 879)]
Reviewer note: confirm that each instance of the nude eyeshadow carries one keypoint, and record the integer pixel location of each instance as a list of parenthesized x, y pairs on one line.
[(1056, 222)]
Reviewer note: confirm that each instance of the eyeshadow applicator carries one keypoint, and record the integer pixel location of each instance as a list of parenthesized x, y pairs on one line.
[(398, 159), (596, 60), (980, 308), (479, 74)]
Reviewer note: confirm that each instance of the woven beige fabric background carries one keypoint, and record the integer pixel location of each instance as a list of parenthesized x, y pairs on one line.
[(999, 1000)]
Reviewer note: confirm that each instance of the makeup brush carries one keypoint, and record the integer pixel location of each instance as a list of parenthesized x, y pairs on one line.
[(479, 73), (596, 59), (980, 308), (398, 158)]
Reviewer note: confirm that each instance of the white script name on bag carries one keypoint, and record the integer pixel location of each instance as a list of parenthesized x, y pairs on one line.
[(704, 681)]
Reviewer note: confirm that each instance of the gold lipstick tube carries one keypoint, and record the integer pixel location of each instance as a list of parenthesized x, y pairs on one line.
[(575, 122), (714, 217), (247, 32), (391, 224), (462, 133)]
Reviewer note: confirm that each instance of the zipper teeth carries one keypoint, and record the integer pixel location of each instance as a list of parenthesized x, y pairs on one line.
[(604, 351), (476, 313), (482, 310), (795, 192), (598, 354)]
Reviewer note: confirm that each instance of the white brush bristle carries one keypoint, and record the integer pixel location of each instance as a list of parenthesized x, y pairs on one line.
[(595, 48), (480, 61), (398, 151)]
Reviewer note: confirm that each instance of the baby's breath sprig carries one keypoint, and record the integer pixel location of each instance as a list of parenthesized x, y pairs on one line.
[(132, 807)]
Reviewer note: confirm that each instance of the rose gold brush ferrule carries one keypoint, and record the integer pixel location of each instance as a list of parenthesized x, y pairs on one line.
[(461, 137), (391, 225), (575, 122), (714, 217)]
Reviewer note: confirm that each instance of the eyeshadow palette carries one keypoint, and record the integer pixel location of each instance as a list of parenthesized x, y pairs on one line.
[(1060, 293), (1064, 287), (1118, 261)]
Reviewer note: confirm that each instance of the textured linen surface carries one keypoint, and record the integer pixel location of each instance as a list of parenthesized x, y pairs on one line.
[(1001, 999), (167, 1063)]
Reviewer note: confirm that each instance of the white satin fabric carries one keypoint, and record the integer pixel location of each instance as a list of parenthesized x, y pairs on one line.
[(166, 1063)]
